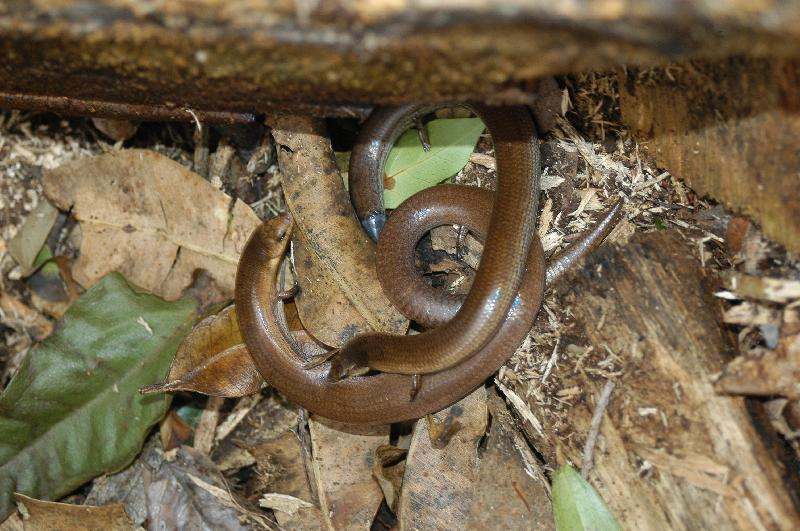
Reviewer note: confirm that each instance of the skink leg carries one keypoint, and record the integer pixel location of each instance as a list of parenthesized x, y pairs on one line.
[(416, 380), (422, 130)]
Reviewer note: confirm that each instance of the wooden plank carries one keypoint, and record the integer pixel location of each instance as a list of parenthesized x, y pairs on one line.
[(129, 59), (731, 129)]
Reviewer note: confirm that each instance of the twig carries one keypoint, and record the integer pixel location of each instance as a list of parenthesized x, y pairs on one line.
[(551, 361), (594, 429), (520, 407), (207, 426)]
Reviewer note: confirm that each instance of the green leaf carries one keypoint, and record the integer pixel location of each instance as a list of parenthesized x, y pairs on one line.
[(49, 269), (577, 506), (73, 410), (409, 168)]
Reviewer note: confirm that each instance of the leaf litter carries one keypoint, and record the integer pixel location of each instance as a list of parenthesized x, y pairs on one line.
[(607, 165)]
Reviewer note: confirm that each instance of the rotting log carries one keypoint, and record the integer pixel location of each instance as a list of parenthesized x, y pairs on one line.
[(672, 454), (225, 60), (730, 128)]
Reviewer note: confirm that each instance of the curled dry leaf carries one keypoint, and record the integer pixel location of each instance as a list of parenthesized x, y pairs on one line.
[(52, 515), (151, 219), (213, 360), (229, 374), (388, 471), (439, 484), (340, 258)]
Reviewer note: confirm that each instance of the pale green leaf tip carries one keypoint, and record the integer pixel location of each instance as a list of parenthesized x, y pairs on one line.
[(577, 506)]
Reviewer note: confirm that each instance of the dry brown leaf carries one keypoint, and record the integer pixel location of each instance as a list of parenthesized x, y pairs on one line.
[(213, 360), (151, 219), (282, 460), (320, 304), (116, 129), (512, 491), (12, 523), (214, 334), (326, 224), (439, 483), (53, 515), (388, 471), (776, 373), (349, 496), (174, 431), (229, 374), (177, 500)]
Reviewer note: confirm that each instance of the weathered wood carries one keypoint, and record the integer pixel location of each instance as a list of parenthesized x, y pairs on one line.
[(672, 454), (731, 129), (128, 58)]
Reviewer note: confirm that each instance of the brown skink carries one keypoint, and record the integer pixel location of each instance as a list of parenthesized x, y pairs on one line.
[(469, 207), (381, 398), (505, 255), (371, 399)]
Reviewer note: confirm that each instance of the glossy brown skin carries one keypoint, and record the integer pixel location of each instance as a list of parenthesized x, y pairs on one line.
[(379, 399), (449, 204), (505, 255)]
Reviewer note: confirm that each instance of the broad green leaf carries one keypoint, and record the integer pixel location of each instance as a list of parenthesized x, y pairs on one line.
[(73, 411), (577, 506), (409, 168)]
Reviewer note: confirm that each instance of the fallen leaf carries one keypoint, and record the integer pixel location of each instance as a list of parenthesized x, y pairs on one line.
[(343, 255), (283, 503), (189, 493), (75, 399), (116, 130), (388, 471), (577, 506), (283, 461), (410, 168), (174, 431), (511, 490), (52, 515), (320, 303), (211, 336), (229, 374), (151, 219), (128, 486), (25, 245), (439, 484), (349, 496)]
